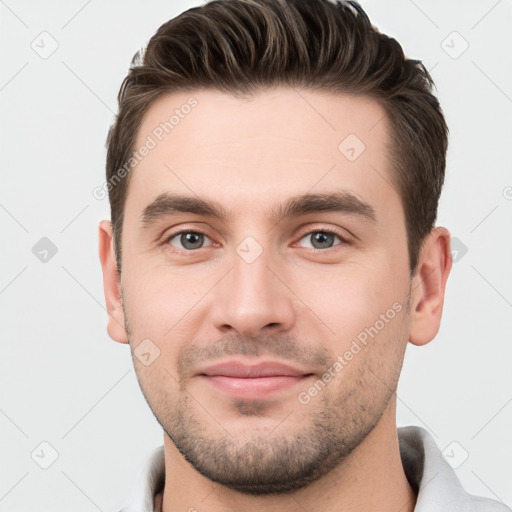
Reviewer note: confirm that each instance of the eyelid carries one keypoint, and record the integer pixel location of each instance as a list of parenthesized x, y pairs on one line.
[(176, 229)]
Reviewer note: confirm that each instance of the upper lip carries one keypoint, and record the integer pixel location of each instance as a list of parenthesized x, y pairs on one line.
[(235, 368)]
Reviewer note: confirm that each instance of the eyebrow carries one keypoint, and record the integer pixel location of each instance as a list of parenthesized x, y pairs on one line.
[(168, 204)]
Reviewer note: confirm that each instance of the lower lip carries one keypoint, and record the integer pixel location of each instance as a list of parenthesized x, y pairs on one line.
[(253, 388)]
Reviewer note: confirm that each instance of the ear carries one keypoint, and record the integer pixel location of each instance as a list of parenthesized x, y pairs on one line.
[(428, 286), (111, 284)]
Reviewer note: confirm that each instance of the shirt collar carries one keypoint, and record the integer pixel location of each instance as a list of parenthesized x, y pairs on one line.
[(434, 480)]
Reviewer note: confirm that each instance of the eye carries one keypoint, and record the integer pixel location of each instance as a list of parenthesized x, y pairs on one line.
[(320, 239), (188, 240)]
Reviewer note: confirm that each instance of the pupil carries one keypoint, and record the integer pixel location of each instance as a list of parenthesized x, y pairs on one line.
[(191, 240), (321, 240)]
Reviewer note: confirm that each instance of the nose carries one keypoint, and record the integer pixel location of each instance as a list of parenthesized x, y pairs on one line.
[(253, 300)]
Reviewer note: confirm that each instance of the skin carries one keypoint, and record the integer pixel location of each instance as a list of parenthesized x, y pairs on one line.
[(293, 304)]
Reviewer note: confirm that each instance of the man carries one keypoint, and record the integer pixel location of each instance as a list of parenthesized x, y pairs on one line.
[(274, 173)]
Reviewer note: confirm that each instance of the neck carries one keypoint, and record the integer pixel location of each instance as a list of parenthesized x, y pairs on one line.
[(371, 478)]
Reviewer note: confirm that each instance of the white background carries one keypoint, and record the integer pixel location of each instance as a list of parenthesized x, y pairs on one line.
[(65, 382)]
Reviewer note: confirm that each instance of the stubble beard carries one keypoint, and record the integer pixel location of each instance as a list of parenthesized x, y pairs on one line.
[(285, 459)]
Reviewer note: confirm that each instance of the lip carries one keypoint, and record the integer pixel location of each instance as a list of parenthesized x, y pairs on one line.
[(239, 369), (252, 381)]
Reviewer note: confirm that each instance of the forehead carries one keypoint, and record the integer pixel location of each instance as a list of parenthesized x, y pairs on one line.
[(211, 116), (276, 144)]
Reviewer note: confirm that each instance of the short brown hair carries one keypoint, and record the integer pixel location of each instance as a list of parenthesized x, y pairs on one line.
[(245, 46)]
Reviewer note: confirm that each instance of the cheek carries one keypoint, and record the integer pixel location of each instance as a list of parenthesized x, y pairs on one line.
[(156, 298), (159, 384), (168, 308), (371, 359), (352, 298)]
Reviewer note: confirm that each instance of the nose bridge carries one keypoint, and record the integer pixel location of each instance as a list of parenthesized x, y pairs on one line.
[(252, 298), (251, 276)]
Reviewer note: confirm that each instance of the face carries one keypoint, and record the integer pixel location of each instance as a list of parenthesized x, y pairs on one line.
[(265, 272)]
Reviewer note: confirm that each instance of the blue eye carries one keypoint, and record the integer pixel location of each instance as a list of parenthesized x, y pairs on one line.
[(188, 240), (193, 240), (321, 239)]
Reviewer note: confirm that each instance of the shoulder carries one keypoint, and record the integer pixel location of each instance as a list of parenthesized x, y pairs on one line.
[(438, 487)]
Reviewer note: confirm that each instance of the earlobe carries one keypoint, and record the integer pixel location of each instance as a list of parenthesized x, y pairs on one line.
[(116, 327), (428, 286)]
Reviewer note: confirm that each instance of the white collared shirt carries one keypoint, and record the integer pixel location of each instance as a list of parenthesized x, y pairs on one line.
[(439, 489)]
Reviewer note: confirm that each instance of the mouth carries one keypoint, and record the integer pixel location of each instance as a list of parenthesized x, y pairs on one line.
[(257, 381)]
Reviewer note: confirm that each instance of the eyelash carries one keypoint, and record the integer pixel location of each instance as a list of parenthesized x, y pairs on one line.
[(329, 231)]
